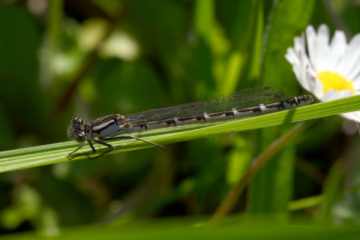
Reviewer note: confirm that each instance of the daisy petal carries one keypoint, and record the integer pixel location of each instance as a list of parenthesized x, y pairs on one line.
[(295, 61), (357, 82), (322, 48), (350, 56), (337, 48), (317, 89), (311, 44), (291, 56), (333, 95), (354, 61), (354, 116)]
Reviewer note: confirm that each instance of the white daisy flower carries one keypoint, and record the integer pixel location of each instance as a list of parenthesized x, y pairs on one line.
[(328, 68)]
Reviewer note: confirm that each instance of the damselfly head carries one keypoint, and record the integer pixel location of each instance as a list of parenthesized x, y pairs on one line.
[(76, 129)]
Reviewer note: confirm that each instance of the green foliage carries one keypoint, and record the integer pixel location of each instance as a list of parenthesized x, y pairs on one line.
[(275, 183), (176, 229)]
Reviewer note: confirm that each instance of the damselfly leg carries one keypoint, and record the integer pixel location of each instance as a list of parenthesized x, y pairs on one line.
[(102, 152), (73, 153), (108, 146), (136, 138)]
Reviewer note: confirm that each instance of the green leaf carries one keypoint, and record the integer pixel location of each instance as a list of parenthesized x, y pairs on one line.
[(19, 44), (272, 187), (331, 191), (287, 20), (192, 229), (58, 152), (204, 17)]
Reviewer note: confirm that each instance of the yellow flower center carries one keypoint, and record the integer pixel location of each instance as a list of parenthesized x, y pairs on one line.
[(334, 81)]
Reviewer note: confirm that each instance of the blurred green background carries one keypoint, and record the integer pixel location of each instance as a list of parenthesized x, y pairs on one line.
[(60, 58)]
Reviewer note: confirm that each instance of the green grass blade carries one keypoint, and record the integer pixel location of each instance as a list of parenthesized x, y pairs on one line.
[(332, 190), (271, 189), (57, 152), (246, 228)]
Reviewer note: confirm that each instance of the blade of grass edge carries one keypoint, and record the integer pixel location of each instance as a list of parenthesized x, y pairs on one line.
[(57, 152)]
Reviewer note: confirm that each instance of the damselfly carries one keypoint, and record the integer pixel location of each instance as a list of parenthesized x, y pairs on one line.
[(246, 103)]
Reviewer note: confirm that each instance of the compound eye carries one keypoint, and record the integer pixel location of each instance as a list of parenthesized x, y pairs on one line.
[(76, 129), (77, 121)]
